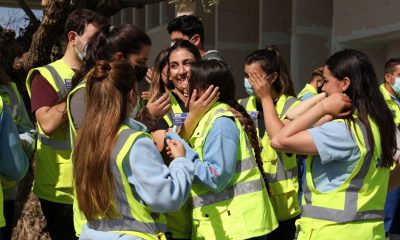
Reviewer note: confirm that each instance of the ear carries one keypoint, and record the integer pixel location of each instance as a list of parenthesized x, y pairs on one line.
[(196, 40), (345, 83), (319, 83), (71, 37), (388, 78), (273, 77), (119, 56), (132, 96)]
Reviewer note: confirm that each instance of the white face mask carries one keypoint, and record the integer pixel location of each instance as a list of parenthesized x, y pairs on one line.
[(81, 55)]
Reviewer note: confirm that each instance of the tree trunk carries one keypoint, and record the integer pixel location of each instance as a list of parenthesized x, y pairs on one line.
[(50, 29)]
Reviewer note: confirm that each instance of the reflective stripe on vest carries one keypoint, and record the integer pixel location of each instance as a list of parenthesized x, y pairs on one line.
[(229, 193), (123, 224), (57, 79), (127, 222), (56, 144), (281, 174), (244, 103), (349, 213), (72, 128), (287, 105)]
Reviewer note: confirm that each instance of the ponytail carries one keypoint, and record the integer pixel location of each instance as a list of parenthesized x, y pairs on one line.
[(108, 86)]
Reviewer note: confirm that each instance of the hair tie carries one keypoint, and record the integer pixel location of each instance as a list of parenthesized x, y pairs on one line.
[(102, 70)]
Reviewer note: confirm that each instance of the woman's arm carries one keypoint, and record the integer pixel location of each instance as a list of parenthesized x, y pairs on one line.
[(162, 188), (301, 108), (220, 155), (305, 105), (294, 138), (262, 89)]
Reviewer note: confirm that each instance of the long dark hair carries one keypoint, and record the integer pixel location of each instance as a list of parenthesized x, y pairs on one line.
[(213, 72), (366, 98), (108, 87), (270, 60), (125, 38)]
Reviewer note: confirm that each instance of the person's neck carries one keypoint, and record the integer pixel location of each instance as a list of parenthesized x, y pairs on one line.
[(389, 88), (202, 52), (314, 84), (181, 96), (71, 59)]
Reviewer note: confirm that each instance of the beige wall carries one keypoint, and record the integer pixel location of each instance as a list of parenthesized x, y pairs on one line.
[(370, 26), (238, 35), (364, 17), (310, 38)]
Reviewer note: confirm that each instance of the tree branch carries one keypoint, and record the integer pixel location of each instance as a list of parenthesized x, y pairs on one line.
[(28, 11)]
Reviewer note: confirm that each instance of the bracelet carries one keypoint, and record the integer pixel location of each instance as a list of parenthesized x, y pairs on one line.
[(323, 108)]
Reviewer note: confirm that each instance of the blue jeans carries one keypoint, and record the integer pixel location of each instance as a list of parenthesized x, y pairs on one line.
[(392, 212)]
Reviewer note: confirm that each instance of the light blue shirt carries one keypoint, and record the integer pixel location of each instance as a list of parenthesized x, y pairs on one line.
[(220, 155), (338, 155), (13, 161), (162, 188)]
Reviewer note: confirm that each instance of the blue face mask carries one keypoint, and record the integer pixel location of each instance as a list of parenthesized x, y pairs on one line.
[(249, 88), (396, 86)]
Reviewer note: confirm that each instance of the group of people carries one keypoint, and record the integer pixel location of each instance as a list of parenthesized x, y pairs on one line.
[(187, 159)]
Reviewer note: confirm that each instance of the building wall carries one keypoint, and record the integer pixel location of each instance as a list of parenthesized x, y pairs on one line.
[(372, 27), (237, 35), (306, 31), (310, 38)]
